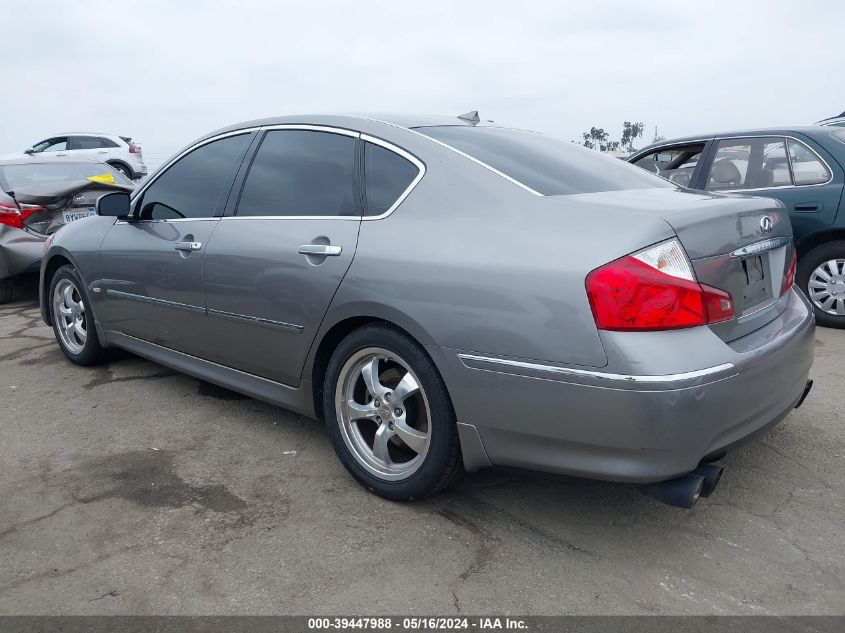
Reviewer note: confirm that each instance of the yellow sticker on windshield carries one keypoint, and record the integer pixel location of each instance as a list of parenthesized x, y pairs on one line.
[(107, 178)]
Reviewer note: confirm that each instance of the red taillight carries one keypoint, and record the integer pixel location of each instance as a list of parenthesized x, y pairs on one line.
[(11, 216), (654, 290), (789, 279), (134, 149)]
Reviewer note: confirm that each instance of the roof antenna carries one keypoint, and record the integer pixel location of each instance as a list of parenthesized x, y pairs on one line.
[(471, 116)]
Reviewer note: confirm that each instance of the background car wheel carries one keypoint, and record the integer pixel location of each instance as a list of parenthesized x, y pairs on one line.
[(122, 169), (821, 275), (72, 320), (389, 415)]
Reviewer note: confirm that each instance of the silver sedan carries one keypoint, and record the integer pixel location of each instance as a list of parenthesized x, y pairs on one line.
[(447, 296)]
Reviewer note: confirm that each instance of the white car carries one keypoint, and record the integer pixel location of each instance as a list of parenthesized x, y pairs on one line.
[(118, 151)]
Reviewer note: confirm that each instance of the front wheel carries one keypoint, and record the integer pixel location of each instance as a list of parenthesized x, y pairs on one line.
[(73, 323), (821, 275), (389, 415)]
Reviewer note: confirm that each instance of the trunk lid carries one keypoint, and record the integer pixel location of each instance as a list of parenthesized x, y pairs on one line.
[(739, 244)]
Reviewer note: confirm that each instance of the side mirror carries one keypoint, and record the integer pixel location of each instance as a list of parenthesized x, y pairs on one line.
[(114, 204), (29, 151)]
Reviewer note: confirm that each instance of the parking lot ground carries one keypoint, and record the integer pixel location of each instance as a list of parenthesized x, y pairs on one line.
[(131, 489)]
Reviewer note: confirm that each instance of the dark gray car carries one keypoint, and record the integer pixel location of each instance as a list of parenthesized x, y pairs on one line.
[(449, 295)]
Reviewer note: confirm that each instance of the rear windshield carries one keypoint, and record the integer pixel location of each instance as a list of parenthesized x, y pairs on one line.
[(27, 175), (547, 165)]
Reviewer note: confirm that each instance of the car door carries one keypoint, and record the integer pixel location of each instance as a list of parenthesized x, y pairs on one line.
[(793, 170), (54, 148), (275, 262), (152, 266)]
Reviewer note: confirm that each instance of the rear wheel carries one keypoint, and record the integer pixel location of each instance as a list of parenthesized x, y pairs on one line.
[(123, 169), (389, 415), (821, 275), (73, 324)]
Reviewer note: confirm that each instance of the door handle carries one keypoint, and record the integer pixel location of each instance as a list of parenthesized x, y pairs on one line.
[(103, 151), (808, 207), (322, 250), (187, 246)]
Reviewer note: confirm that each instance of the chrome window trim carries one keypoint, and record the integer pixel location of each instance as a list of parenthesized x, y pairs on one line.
[(457, 151), (407, 156), (788, 157), (312, 128), (188, 150), (626, 378)]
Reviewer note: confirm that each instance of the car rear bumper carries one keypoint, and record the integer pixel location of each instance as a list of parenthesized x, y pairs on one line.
[(637, 427), (20, 251)]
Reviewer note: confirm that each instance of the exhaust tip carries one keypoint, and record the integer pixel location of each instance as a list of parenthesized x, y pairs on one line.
[(681, 492), (712, 474)]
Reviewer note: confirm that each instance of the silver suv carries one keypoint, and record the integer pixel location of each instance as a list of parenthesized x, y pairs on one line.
[(118, 151)]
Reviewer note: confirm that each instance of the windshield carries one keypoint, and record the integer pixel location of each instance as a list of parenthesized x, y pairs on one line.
[(547, 165), (31, 174)]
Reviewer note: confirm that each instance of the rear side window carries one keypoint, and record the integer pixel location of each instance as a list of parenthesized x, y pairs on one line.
[(807, 167), (547, 165), (196, 185), (301, 173), (90, 142), (388, 175)]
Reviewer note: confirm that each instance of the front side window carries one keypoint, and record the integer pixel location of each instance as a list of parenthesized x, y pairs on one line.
[(196, 185), (387, 176), (301, 173), (676, 164), (547, 165), (58, 144), (807, 167)]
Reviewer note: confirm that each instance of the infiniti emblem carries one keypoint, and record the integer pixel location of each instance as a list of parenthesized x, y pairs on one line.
[(766, 223)]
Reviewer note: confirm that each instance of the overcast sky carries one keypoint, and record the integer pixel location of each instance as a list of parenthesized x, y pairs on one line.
[(165, 72)]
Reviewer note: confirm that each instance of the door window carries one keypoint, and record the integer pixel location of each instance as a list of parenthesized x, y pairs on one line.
[(90, 142), (387, 176), (673, 163), (807, 167), (761, 163), (301, 173), (57, 144), (197, 184)]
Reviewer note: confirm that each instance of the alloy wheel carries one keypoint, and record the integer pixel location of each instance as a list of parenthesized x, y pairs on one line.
[(69, 313), (383, 414)]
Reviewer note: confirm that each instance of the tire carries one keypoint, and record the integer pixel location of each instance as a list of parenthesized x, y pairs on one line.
[(9, 291), (75, 331), (123, 169), (812, 268), (430, 459)]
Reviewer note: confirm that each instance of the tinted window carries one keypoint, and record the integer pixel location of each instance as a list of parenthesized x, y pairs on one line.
[(298, 172), (807, 168), (387, 175), (85, 142), (196, 185), (547, 165)]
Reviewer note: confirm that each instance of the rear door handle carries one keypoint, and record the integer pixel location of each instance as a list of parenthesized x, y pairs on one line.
[(323, 250), (808, 207), (187, 246)]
